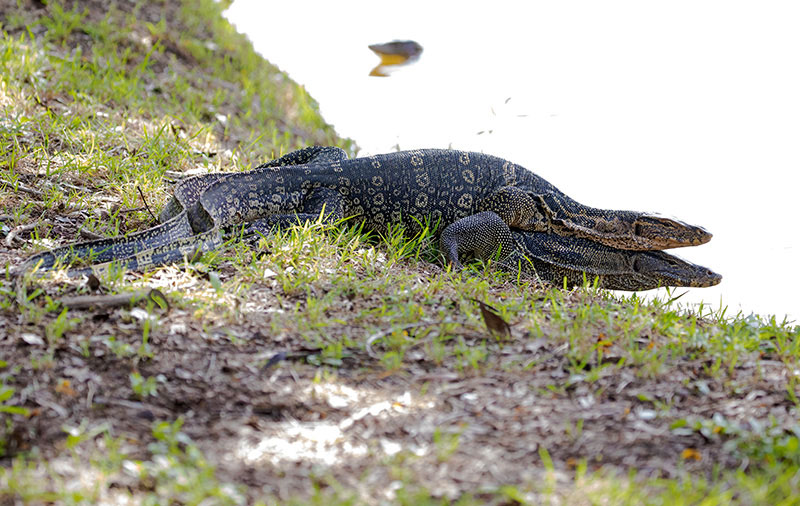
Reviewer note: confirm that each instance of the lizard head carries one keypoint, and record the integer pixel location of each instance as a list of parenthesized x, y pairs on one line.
[(660, 232), (646, 270), (628, 230), (655, 268), (554, 257)]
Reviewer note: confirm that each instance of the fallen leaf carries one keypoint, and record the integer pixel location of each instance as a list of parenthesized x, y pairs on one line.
[(602, 342), (494, 322), (64, 388), (93, 283), (32, 339), (691, 453)]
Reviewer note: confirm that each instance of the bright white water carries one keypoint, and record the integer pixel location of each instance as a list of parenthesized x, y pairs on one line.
[(687, 108)]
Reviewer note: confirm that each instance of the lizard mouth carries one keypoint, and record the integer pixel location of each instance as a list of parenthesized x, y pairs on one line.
[(673, 271)]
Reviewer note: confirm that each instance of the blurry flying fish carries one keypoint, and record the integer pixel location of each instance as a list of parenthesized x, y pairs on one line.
[(394, 54)]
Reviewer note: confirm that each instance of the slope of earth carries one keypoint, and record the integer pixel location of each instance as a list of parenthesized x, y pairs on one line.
[(321, 365)]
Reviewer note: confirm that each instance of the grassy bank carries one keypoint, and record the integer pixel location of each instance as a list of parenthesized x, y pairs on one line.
[(323, 365)]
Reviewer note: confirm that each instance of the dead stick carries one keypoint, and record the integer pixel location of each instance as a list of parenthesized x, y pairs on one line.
[(22, 228), (145, 203), (103, 301), (88, 233), (21, 187), (380, 335)]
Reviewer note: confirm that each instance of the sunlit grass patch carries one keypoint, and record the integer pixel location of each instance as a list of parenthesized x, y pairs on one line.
[(176, 471), (121, 109)]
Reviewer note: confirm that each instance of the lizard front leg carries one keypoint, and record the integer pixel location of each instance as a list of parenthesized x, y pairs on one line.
[(482, 235)]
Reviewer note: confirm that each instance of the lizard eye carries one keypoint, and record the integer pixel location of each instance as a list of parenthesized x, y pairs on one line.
[(643, 264)]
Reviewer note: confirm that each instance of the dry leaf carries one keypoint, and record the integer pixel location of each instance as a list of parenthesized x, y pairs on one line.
[(603, 342), (93, 283), (64, 388), (691, 453), (32, 339), (494, 322)]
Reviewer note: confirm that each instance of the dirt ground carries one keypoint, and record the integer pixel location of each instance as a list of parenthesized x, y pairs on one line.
[(452, 431)]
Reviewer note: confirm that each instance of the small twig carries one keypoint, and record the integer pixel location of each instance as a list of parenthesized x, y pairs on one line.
[(211, 363), (22, 187), (103, 301), (92, 389), (145, 203), (132, 210), (88, 234), (130, 404), (76, 188), (22, 228), (380, 335), (558, 350), (60, 410)]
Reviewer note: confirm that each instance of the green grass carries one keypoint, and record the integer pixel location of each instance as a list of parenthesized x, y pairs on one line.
[(100, 107), (128, 104)]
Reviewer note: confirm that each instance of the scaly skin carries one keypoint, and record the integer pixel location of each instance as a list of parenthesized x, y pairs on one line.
[(451, 187), (553, 258), (556, 258)]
